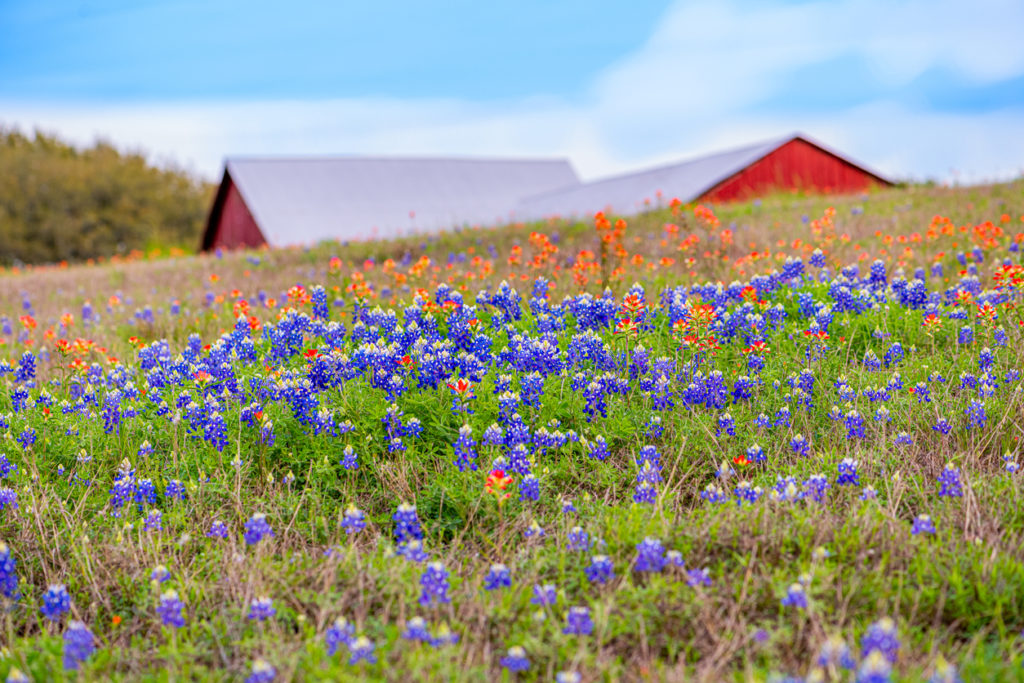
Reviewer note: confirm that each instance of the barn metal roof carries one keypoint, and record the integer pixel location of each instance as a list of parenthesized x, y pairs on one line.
[(634, 193), (308, 200)]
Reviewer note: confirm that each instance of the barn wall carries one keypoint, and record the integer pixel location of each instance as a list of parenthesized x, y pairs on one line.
[(236, 227), (796, 165)]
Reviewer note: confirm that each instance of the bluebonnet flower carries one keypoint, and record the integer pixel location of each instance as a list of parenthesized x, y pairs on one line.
[(949, 482), (815, 487), (516, 659), (413, 551), (443, 636), (257, 528), (868, 493), (903, 439), (6, 466), (56, 602), (874, 669), (171, 609), (218, 529), (598, 448), (795, 596), (923, 524), (15, 675), (175, 490), (654, 428), (835, 652), (361, 649), (349, 459), (160, 574), (882, 637), (578, 622), (262, 672), (650, 556), (942, 426), (534, 530), (944, 672), (416, 629), (579, 540), (216, 432), (854, 425), (79, 644), (341, 632), (568, 508), (713, 493), (567, 677), (407, 524), (976, 416), (529, 488), (27, 437), (600, 569), (698, 577), (261, 609), (744, 492), (545, 595), (755, 453), (800, 445), (434, 582), (354, 520), (154, 521), (465, 449), (8, 498), (498, 576), (726, 424), (783, 417), (848, 473), (8, 572)]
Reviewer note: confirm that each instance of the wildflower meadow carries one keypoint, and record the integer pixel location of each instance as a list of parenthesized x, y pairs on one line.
[(774, 440)]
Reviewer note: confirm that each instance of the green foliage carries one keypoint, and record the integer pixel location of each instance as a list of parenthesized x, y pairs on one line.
[(59, 203)]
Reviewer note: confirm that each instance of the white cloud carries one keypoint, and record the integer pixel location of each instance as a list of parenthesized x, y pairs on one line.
[(691, 88)]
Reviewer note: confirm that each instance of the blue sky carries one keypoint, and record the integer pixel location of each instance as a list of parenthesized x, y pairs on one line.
[(913, 88)]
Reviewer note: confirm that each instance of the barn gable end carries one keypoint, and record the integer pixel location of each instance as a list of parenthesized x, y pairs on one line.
[(231, 224), (797, 164)]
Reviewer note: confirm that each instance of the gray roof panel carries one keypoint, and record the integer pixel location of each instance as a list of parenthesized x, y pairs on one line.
[(308, 200), (634, 193)]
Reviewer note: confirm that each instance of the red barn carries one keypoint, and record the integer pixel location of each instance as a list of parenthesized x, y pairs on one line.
[(791, 163), (302, 201)]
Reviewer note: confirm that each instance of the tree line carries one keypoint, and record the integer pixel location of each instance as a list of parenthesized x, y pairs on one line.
[(62, 203)]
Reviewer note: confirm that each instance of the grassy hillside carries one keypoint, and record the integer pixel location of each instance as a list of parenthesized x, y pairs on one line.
[(772, 439)]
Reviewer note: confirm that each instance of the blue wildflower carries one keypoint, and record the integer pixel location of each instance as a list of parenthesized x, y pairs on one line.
[(498, 576), (262, 672), (79, 644), (56, 602), (434, 582), (261, 609), (171, 609), (578, 622), (516, 659), (257, 528), (600, 569), (650, 556)]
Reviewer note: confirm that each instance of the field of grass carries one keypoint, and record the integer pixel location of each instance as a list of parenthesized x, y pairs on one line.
[(772, 440)]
